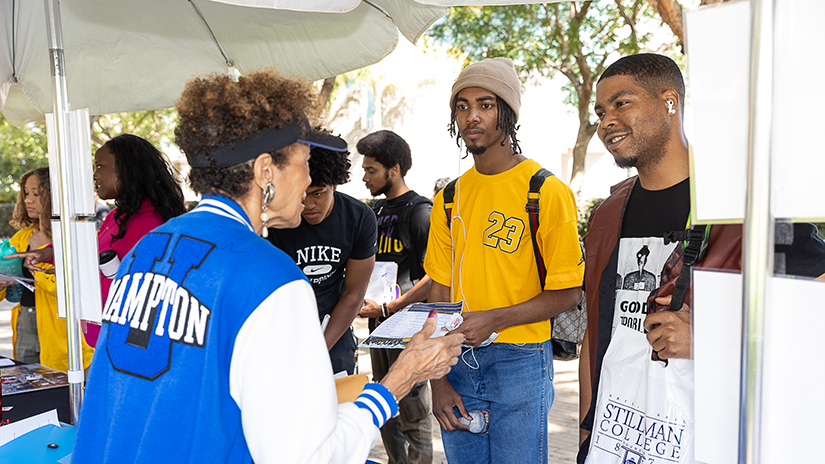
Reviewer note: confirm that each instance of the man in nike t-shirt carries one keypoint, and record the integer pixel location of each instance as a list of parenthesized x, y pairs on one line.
[(335, 248)]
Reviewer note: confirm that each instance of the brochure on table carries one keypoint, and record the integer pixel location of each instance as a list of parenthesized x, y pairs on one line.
[(29, 377)]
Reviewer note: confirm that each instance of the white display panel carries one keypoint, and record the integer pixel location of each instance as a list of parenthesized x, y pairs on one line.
[(797, 156), (794, 376), (717, 350), (85, 272), (77, 163), (718, 44)]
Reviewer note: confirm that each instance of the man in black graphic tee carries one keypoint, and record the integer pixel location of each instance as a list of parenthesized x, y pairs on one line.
[(403, 227), (335, 248), (640, 106)]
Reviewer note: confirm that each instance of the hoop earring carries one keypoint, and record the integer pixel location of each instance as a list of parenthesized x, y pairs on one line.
[(268, 195)]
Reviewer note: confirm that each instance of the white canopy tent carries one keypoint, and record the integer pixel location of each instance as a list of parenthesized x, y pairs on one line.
[(124, 56)]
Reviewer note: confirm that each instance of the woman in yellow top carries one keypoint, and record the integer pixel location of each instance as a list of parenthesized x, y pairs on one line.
[(39, 335)]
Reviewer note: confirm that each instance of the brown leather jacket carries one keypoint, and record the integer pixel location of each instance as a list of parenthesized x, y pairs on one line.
[(601, 255)]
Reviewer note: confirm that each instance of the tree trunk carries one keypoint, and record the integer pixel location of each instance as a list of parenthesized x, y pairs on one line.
[(323, 97), (585, 132), (671, 13), (583, 137)]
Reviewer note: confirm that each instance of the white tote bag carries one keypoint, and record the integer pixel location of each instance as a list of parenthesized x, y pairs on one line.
[(644, 413)]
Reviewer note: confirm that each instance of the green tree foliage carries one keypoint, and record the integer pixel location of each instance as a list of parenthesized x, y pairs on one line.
[(25, 148), (586, 209), (156, 126), (572, 38), (21, 149)]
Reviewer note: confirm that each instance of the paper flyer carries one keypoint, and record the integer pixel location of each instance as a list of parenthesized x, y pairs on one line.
[(24, 281), (399, 328), (382, 287)]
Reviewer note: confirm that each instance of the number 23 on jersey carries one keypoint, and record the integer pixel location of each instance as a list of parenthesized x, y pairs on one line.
[(503, 233)]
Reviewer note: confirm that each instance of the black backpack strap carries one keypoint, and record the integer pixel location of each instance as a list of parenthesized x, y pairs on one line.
[(405, 233), (410, 207), (532, 208), (697, 245), (377, 206), (449, 195)]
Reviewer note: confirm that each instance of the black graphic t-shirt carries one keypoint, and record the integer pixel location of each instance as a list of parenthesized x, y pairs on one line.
[(395, 228), (642, 251), (321, 251)]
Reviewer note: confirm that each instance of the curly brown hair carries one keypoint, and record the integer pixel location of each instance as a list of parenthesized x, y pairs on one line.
[(215, 110), (20, 217)]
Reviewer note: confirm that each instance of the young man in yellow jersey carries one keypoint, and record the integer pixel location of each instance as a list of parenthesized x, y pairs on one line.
[(483, 255)]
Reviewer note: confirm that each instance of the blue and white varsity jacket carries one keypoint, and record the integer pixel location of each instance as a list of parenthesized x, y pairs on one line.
[(210, 351)]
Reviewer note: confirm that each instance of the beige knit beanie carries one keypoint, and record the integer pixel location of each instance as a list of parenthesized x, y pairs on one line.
[(497, 75)]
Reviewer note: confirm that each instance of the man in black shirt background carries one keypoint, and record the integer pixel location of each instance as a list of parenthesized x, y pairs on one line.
[(403, 226)]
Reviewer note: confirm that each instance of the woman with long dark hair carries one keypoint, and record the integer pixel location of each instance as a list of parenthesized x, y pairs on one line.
[(146, 192)]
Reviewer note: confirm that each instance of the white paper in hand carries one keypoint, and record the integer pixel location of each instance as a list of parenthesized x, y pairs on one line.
[(382, 287), (397, 331)]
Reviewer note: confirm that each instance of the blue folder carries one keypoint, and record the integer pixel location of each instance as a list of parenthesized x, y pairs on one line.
[(34, 447)]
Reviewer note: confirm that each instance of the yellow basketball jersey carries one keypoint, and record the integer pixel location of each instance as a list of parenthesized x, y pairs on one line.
[(486, 255)]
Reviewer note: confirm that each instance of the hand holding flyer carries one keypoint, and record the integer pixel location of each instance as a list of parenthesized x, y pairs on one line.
[(397, 331), (24, 281)]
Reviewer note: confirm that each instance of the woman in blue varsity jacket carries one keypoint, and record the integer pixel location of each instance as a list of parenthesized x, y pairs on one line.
[(202, 320)]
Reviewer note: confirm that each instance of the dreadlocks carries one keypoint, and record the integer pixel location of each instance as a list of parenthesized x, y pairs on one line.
[(506, 120)]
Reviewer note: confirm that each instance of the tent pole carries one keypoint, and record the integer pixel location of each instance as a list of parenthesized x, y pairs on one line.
[(61, 109), (758, 230)]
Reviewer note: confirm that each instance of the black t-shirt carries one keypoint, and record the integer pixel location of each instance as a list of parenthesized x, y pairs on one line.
[(322, 250), (392, 236), (649, 215), (653, 213)]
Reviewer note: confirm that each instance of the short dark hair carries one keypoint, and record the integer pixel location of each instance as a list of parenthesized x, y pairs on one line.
[(650, 71), (507, 120), (143, 173), (388, 148), (328, 167)]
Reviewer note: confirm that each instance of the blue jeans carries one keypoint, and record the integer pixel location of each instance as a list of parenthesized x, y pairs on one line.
[(513, 382)]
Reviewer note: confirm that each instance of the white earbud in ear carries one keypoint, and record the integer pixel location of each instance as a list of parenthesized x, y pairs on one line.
[(670, 109)]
